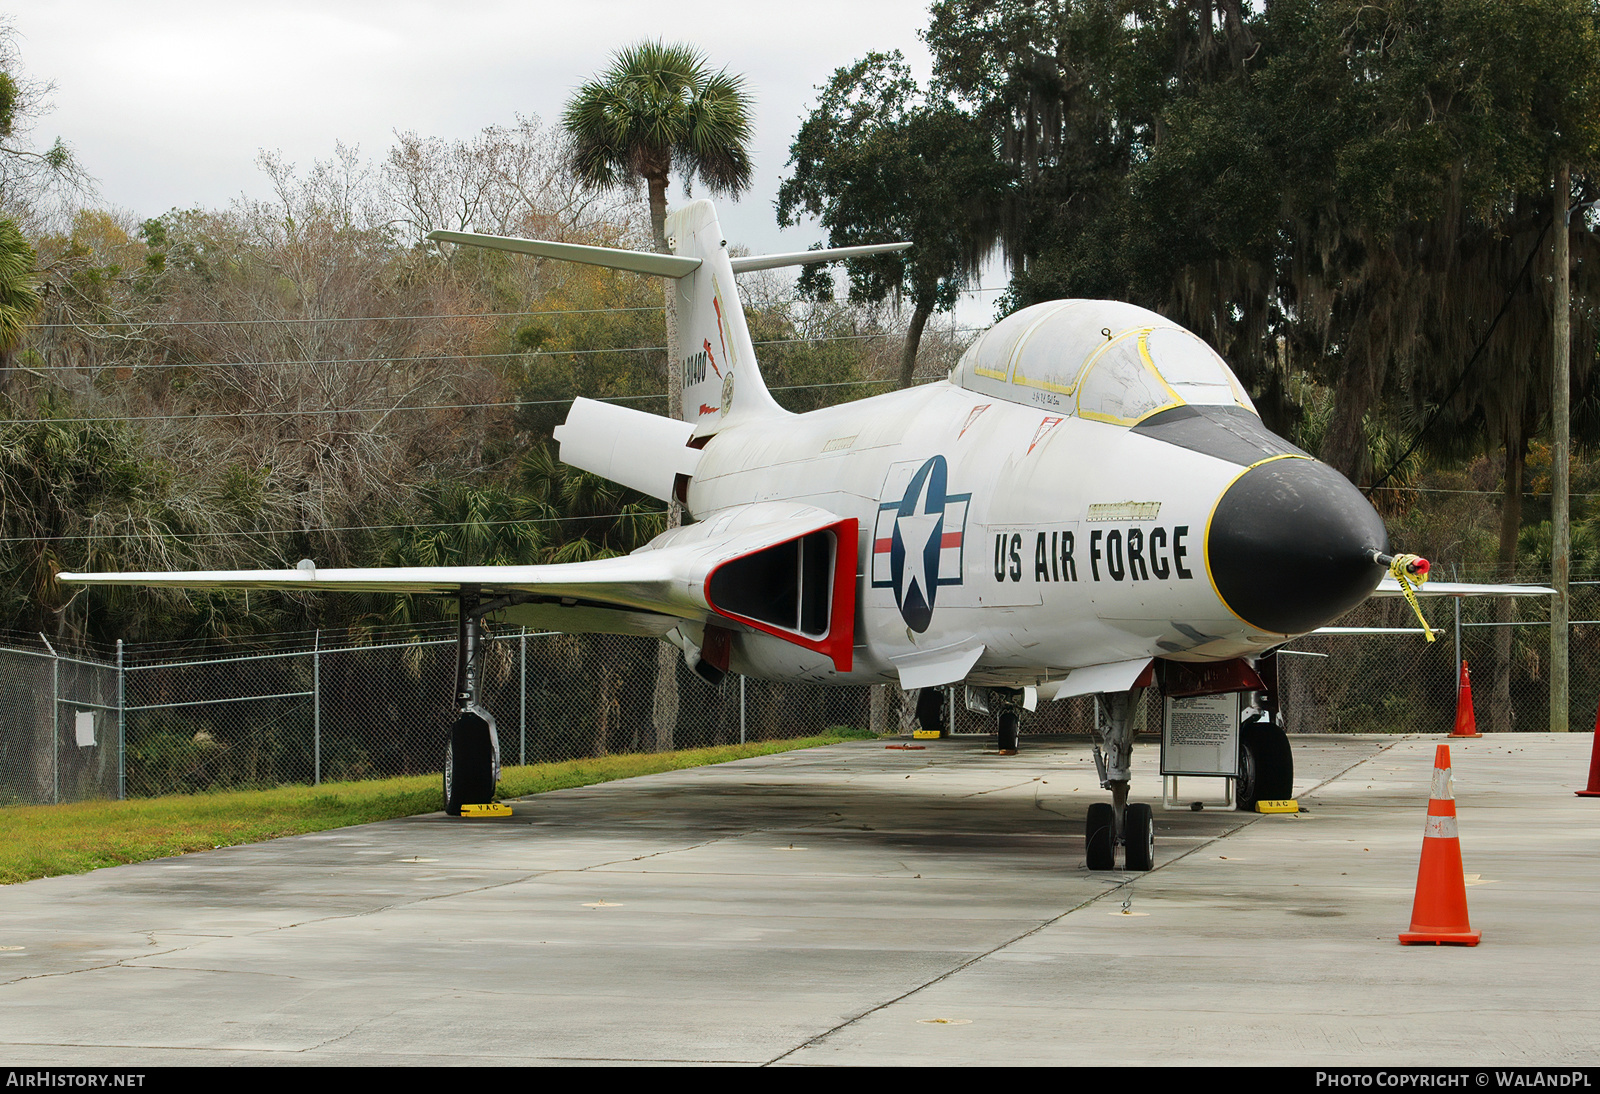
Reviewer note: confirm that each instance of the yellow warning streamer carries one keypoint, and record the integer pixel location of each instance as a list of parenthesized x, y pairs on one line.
[(1410, 581)]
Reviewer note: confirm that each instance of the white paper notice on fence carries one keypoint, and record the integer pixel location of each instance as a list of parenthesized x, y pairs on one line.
[(1200, 735), (85, 727)]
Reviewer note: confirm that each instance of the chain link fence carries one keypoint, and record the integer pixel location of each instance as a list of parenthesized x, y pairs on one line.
[(141, 721), (136, 723)]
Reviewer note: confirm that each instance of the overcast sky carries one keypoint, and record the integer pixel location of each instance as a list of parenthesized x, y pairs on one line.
[(168, 102)]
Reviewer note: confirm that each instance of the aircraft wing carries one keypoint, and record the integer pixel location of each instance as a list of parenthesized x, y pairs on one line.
[(785, 569), (1390, 587)]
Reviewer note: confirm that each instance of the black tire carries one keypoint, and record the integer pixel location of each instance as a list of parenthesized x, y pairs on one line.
[(468, 764), (1009, 723), (1266, 764), (930, 710), (1100, 838), (1140, 822)]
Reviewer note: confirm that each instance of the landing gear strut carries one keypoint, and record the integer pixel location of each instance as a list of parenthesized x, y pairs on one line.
[(472, 751), (1118, 822)]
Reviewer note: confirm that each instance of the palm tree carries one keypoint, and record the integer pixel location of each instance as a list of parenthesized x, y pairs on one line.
[(19, 294), (656, 109)]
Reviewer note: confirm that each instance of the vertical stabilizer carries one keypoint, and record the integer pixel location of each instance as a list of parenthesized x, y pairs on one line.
[(722, 385)]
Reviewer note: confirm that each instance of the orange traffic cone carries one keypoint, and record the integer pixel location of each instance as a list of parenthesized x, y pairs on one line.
[(1466, 723), (1594, 765), (1439, 913)]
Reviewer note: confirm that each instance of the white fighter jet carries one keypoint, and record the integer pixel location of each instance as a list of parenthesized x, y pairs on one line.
[(1089, 504)]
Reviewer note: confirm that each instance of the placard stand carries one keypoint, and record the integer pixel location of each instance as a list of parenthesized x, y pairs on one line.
[(1200, 739)]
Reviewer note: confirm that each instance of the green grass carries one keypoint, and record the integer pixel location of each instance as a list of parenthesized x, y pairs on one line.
[(47, 840)]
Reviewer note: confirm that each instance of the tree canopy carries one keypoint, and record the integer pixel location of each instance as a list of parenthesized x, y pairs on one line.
[(876, 161)]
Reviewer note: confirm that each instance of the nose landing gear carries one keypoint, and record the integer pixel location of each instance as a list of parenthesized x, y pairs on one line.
[(1118, 821), (1138, 837)]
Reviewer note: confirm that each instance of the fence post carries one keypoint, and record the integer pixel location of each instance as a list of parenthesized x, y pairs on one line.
[(122, 727), (741, 709), (1456, 668), (522, 654), (316, 708), (55, 721)]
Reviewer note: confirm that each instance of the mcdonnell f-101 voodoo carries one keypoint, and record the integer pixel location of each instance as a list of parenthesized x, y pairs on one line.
[(1089, 504)]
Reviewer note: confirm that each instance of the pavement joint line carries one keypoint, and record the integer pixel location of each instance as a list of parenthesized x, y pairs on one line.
[(1126, 882), (995, 789)]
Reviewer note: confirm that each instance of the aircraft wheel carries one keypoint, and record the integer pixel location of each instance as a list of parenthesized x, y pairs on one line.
[(468, 764), (1266, 764), (1140, 821), (1100, 846), (1009, 721), (930, 709)]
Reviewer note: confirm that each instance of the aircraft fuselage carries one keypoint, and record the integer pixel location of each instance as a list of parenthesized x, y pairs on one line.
[(1054, 541)]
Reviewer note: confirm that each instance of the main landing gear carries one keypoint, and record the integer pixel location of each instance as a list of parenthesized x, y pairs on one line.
[(930, 710), (1007, 705), (1266, 764), (472, 750)]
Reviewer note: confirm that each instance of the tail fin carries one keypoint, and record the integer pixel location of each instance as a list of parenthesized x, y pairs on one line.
[(722, 384)]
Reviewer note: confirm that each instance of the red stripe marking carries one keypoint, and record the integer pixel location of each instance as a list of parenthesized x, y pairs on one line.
[(950, 539), (881, 545)]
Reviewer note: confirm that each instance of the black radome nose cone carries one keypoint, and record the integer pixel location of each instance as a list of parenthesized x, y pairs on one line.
[(1290, 546)]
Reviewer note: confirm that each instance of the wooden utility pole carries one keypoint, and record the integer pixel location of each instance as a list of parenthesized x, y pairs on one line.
[(1560, 444)]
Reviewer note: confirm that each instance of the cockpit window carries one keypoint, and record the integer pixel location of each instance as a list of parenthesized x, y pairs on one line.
[(1120, 384), (1102, 359), (1194, 371)]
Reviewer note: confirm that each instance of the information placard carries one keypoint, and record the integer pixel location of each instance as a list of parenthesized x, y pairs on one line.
[(1200, 735)]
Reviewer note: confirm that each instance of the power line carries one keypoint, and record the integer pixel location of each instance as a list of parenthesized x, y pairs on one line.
[(430, 357), (209, 416), (1466, 369), (348, 528), (1482, 493), (332, 319)]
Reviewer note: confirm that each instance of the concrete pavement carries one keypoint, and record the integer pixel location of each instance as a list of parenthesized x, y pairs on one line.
[(847, 905)]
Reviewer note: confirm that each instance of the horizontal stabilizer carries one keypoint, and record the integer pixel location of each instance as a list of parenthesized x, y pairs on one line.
[(645, 262), (806, 258), (1390, 587), (649, 262)]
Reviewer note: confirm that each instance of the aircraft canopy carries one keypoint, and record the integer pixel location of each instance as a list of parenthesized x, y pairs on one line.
[(1097, 359)]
